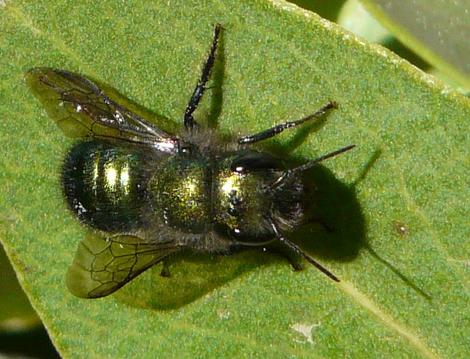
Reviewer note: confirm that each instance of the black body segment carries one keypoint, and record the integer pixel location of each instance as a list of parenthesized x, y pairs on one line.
[(105, 185)]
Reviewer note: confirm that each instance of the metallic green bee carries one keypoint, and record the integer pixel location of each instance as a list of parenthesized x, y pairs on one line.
[(147, 194)]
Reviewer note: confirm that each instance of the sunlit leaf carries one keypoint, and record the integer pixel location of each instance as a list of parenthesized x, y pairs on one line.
[(398, 203)]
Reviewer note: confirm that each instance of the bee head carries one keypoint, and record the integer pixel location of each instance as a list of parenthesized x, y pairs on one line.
[(246, 201)]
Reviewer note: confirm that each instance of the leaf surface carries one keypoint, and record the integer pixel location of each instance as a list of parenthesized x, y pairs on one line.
[(398, 203)]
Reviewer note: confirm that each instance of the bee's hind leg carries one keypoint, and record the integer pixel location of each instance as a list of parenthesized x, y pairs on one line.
[(279, 250)]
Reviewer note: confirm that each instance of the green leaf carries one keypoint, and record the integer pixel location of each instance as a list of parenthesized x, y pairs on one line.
[(436, 30), (398, 202), (326, 9)]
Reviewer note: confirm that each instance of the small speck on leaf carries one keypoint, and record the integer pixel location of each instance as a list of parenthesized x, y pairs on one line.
[(223, 314), (305, 330), (400, 228)]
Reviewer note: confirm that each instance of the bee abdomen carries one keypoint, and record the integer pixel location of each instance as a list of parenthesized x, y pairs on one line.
[(105, 185)]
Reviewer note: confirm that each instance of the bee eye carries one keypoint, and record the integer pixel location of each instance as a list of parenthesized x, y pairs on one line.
[(253, 161)]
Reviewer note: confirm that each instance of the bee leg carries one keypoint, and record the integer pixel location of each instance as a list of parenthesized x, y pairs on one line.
[(165, 268), (273, 131), (296, 266), (189, 121), (296, 249), (280, 250), (292, 258)]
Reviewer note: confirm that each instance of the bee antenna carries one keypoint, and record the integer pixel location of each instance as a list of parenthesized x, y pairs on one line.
[(296, 249), (281, 179)]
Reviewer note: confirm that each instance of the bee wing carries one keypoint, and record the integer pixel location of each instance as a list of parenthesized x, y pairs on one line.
[(103, 264), (82, 109)]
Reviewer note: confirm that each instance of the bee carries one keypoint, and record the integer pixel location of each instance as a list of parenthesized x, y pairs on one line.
[(145, 193)]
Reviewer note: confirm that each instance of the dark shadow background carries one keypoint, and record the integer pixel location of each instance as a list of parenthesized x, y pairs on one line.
[(34, 343)]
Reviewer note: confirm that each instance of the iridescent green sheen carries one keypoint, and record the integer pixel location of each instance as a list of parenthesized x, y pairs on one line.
[(104, 185), (241, 201), (181, 193)]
